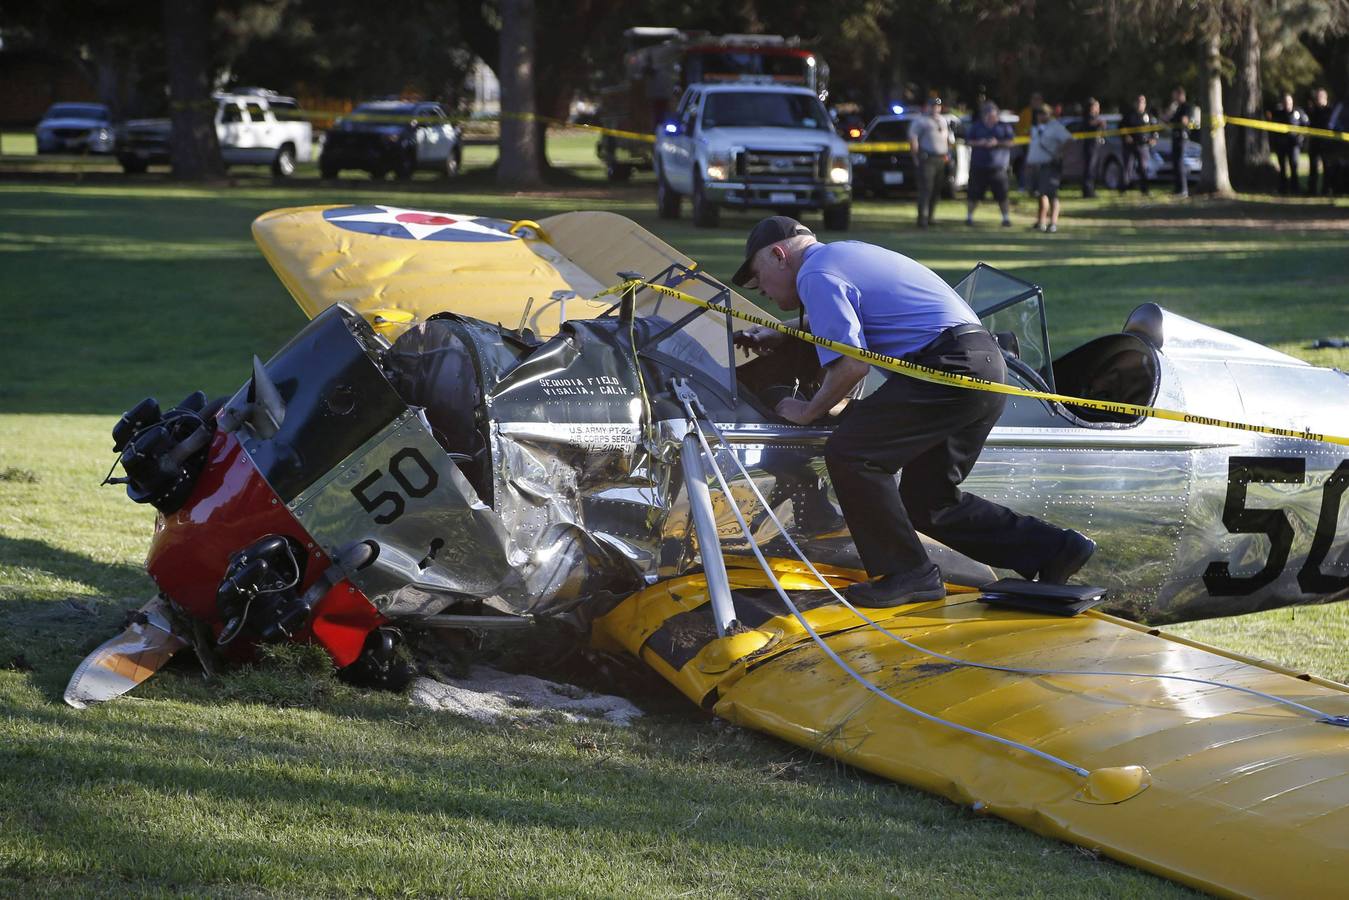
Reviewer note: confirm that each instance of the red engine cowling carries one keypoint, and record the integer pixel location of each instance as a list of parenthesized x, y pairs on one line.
[(230, 507)]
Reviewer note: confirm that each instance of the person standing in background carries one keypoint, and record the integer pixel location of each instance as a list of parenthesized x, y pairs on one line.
[(1286, 146), (991, 153), (1025, 119), (1136, 144), (1318, 116), (1048, 139), (1177, 115), (930, 144), (1091, 121)]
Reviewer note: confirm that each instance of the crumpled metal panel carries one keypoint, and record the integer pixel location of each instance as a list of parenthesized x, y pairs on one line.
[(1247, 797), (573, 490), (437, 541)]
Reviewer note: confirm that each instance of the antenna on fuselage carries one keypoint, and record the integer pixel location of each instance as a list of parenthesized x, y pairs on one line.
[(627, 303)]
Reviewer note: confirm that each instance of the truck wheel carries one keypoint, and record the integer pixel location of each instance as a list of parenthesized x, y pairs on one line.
[(838, 218), (283, 166), (706, 214), (406, 166), (328, 171), (134, 166), (451, 164), (668, 200), (618, 172)]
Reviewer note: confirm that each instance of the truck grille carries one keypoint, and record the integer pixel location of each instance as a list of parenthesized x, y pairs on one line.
[(778, 165)]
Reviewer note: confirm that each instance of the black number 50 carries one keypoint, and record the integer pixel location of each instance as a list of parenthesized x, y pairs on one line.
[(1241, 471), (420, 485)]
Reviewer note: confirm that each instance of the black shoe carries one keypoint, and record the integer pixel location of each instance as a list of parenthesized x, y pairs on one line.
[(923, 583), (1076, 550)]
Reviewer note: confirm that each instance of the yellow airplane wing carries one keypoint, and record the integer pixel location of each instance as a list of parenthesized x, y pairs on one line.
[(1235, 792), (400, 266)]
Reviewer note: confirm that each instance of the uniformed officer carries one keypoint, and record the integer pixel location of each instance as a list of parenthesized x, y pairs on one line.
[(867, 296)]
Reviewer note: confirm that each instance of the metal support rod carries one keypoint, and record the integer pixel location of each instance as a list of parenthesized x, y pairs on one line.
[(705, 527)]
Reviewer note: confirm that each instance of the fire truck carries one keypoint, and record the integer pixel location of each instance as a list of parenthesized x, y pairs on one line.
[(660, 63)]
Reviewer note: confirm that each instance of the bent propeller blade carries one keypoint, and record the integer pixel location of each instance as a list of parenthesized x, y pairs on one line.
[(123, 662)]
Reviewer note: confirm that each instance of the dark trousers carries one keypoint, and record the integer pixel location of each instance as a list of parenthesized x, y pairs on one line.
[(931, 167), (1089, 167), (1316, 157), (1135, 162), (1288, 159), (932, 435), (1178, 165)]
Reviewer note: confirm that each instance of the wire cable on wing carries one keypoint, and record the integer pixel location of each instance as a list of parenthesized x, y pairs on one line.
[(1325, 717), (829, 651)]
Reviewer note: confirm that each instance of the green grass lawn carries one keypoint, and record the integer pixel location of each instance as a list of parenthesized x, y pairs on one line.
[(279, 780)]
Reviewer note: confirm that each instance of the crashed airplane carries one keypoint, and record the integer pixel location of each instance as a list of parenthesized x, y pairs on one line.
[(471, 433)]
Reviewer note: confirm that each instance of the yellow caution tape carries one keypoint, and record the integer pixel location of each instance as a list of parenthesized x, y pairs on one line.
[(856, 147), (1281, 128), (937, 376), (1019, 140)]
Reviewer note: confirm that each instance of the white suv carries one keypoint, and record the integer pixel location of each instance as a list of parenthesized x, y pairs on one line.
[(747, 145), (257, 128)]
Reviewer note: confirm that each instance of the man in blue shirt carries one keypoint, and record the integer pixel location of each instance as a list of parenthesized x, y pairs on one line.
[(991, 141), (870, 297)]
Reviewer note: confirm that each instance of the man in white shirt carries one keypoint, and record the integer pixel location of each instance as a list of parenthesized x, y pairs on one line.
[(1048, 138), (930, 144)]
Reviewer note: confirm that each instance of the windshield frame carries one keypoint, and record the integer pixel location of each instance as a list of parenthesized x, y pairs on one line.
[(823, 124), (1024, 292)]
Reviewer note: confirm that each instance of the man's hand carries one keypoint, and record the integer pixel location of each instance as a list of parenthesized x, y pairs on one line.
[(760, 338), (795, 411)]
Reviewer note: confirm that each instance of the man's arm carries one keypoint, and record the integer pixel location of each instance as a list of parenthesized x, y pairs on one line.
[(840, 377)]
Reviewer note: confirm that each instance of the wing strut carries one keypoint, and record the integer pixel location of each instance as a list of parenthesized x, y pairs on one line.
[(704, 521)]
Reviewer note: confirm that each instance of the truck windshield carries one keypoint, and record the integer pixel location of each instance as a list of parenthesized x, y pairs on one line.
[(77, 111), (760, 109), (887, 132)]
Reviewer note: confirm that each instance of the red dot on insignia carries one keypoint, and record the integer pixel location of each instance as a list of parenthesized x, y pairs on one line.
[(423, 219)]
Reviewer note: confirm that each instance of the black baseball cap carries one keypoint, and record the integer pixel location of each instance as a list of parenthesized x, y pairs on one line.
[(766, 233)]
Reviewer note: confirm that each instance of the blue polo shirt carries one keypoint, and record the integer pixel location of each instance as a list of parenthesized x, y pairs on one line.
[(874, 298), (989, 157)]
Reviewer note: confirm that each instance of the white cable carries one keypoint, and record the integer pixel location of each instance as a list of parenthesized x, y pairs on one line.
[(878, 691), (964, 662)]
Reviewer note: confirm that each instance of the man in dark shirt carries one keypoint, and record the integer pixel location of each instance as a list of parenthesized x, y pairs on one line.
[(991, 143), (1178, 117), (1318, 116), (1286, 146), (1136, 145), (1091, 121)]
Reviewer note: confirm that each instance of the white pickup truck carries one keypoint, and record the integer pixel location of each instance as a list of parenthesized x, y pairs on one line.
[(747, 145), (258, 128)]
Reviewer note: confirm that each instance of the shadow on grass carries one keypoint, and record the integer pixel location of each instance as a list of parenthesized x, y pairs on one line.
[(1220, 211), (313, 802)]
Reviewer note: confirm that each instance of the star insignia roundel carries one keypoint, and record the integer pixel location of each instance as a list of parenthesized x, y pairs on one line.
[(417, 224)]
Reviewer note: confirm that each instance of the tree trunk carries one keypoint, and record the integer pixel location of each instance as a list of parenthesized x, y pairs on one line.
[(1250, 147), (1214, 134), (519, 150), (194, 150)]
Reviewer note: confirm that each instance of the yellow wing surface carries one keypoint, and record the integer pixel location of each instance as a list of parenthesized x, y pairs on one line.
[(399, 266), (1240, 795)]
